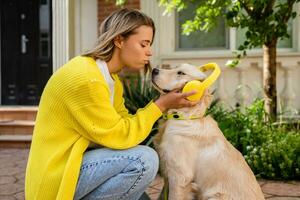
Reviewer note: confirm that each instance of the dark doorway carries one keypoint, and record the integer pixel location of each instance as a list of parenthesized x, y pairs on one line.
[(26, 50)]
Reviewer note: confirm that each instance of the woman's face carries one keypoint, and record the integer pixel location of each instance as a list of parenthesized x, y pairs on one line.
[(135, 50)]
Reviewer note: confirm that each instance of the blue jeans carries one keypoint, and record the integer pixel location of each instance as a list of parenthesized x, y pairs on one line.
[(109, 174)]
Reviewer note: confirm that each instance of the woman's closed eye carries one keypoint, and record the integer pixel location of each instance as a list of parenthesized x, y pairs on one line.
[(144, 45)]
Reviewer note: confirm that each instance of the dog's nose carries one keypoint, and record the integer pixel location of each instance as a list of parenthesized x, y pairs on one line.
[(155, 71)]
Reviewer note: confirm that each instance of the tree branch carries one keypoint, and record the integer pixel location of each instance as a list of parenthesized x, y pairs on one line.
[(268, 8), (289, 12), (244, 5)]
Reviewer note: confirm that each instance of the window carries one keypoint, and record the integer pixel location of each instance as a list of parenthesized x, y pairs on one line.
[(218, 38), (214, 39)]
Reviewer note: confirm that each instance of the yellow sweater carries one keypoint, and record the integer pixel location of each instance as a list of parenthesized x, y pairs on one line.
[(74, 110)]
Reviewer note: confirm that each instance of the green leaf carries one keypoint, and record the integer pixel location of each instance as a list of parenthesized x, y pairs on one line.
[(232, 63), (241, 48)]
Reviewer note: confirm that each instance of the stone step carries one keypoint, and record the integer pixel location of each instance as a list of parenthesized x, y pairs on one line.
[(16, 127), (15, 141), (18, 112)]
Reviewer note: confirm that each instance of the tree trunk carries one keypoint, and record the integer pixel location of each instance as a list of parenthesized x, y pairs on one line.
[(269, 79)]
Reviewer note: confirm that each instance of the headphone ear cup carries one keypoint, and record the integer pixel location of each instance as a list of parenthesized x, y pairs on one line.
[(194, 85)]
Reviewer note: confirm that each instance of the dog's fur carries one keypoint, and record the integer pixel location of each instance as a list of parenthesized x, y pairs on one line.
[(195, 155)]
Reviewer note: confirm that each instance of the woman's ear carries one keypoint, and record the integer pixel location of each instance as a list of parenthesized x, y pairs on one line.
[(118, 41)]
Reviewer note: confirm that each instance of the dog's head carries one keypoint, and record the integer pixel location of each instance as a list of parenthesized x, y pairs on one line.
[(166, 80)]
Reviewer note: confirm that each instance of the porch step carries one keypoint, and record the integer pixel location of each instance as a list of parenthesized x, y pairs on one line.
[(16, 125), (15, 141), (18, 112)]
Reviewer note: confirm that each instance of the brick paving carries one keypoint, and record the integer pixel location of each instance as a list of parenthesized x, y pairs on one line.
[(13, 164)]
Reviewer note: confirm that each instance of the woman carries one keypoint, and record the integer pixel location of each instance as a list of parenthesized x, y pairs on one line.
[(82, 104)]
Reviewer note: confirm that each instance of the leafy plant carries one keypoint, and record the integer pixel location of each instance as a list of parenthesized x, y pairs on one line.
[(272, 150), (138, 92)]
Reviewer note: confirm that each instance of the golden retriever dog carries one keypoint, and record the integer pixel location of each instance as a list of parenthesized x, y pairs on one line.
[(197, 160)]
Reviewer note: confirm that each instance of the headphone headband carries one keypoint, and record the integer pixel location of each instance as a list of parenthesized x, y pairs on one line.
[(213, 76)]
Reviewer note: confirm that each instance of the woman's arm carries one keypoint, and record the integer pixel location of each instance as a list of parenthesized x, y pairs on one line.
[(97, 120)]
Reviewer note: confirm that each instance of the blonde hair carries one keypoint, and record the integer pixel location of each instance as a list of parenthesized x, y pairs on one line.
[(121, 22)]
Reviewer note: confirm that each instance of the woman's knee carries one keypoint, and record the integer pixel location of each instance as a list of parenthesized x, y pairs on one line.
[(149, 158)]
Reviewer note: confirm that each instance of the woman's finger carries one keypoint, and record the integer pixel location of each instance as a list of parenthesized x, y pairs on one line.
[(188, 103), (187, 94)]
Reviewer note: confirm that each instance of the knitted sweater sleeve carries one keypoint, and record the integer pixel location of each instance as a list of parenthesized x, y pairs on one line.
[(119, 102), (97, 119)]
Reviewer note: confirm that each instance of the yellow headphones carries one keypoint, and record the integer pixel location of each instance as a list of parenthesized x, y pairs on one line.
[(201, 86)]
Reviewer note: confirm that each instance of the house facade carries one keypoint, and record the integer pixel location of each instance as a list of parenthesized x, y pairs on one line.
[(39, 36)]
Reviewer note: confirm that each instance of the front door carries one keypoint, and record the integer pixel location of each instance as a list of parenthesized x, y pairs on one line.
[(26, 50)]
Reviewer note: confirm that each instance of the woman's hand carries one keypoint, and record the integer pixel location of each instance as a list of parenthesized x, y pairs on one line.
[(175, 100)]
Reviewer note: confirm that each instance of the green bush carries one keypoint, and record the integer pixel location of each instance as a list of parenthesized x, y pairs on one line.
[(271, 150)]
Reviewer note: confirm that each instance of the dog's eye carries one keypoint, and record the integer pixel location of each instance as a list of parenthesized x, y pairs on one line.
[(180, 73)]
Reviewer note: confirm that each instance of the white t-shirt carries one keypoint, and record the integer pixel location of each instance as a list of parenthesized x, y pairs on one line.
[(109, 80)]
